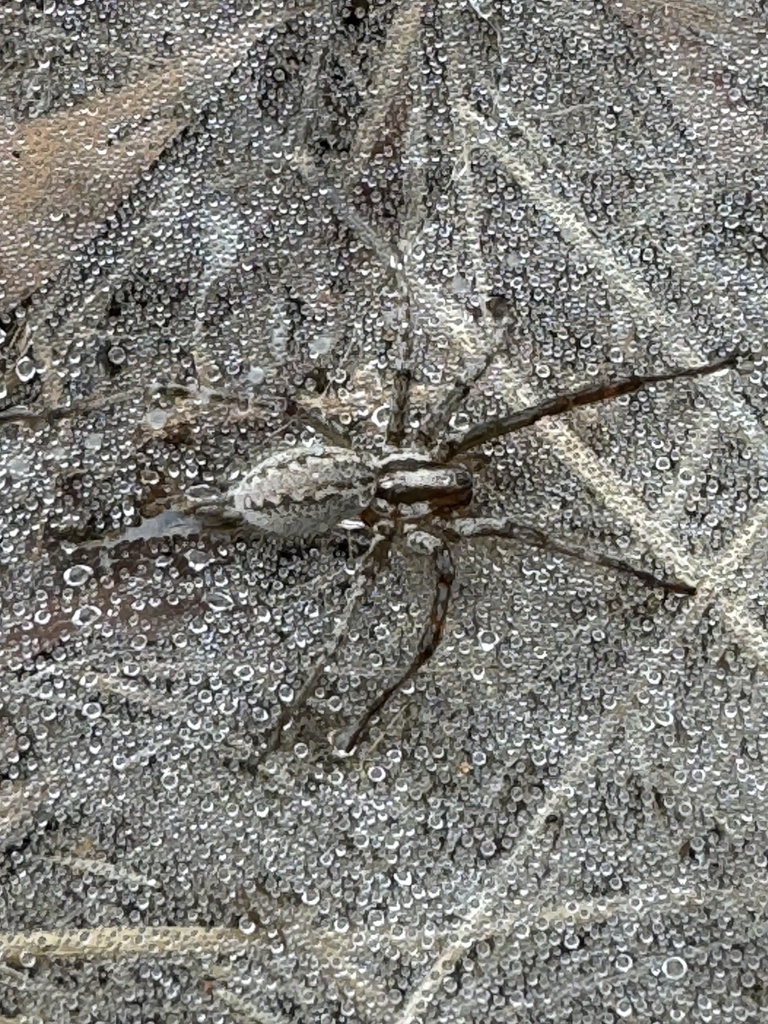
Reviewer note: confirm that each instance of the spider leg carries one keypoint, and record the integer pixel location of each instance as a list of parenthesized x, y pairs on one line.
[(507, 331), (401, 384), (436, 423), (429, 641), (398, 414), (508, 529), (293, 410), (603, 392), (372, 558), (53, 414), (27, 414), (316, 421), (389, 257)]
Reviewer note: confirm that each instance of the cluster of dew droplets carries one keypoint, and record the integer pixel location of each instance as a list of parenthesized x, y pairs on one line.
[(562, 818)]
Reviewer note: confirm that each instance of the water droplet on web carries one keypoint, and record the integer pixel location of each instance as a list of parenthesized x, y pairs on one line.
[(311, 897), (246, 926), (320, 345), (117, 355), (77, 575), (487, 639), (198, 559), (674, 968), (218, 601), (380, 416), (86, 616), (25, 369), (156, 419), (92, 710)]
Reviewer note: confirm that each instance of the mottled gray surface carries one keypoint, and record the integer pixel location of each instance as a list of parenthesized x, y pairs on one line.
[(564, 818)]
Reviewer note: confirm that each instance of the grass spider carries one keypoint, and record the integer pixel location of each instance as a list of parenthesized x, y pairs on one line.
[(420, 492)]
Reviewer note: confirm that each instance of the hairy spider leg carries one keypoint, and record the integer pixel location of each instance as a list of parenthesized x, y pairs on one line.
[(429, 641), (435, 426), (318, 423), (26, 414), (602, 392), (390, 258), (398, 413), (364, 576), (432, 634), (437, 421), (508, 529), (401, 384)]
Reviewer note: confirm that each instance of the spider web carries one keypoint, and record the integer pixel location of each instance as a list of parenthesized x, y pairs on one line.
[(563, 818)]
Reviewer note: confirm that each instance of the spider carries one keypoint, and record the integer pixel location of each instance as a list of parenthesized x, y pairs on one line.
[(421, 492)]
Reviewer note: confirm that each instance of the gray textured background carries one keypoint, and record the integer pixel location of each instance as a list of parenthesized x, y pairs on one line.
[(564, 818)]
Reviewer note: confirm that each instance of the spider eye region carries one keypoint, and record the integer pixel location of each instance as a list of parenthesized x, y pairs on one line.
[(436, 488), (303, 491)]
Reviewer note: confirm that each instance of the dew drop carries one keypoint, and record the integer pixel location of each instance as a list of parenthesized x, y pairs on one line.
[(218, 601), (380, 416), (92, 710), (77, 575), (674, 968), (117, 355), (156, 419), (25, 369), (86, 616), (624, 963), (246, 926), (198, 560), (487, 639)]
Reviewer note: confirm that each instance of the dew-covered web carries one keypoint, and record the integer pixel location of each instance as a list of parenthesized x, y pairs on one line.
[(562, 817)]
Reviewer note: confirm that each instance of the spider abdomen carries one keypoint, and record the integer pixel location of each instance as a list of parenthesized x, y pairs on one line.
[(304, 491)]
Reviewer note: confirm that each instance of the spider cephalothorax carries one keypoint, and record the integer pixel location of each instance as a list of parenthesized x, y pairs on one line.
[(412, 486)]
